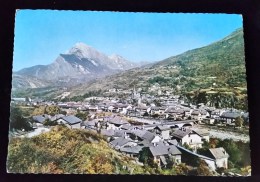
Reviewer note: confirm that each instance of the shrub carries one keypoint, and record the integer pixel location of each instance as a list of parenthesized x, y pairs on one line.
[(48, 122), (221, 170), (181, 169), (17, 121), (203, 169), (82, 115)]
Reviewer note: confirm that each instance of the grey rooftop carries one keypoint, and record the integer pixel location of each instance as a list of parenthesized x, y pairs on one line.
[(71, 119), (164, 150), (219, 153)]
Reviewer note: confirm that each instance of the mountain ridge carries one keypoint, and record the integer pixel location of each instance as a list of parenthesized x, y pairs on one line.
[(80, 63), (234, 34), (218, 65)]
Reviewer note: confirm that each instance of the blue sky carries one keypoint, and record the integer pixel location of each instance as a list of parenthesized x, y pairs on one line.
[(41, 35)]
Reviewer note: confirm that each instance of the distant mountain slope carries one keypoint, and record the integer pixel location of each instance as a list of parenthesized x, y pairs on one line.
[(233, 43), (20, 82), (81, 62), (223, 59), (221, 64)]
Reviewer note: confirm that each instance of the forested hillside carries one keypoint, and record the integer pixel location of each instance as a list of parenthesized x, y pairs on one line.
[(223, 61)]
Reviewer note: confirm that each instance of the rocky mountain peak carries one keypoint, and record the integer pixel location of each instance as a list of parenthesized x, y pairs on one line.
[(115, 57), (82, 50), (81, 62), (121, 62)]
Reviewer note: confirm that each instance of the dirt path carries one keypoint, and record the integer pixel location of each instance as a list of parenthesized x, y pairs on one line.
[(36, 132)]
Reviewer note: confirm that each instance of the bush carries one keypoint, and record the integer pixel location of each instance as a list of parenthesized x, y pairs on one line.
[(155, 115), (181, 169), (239, 121), (203, 169), (221, 170), (48, 122), (185, 145), (24, 157), (17, 121), (82, 115), (50, 110)]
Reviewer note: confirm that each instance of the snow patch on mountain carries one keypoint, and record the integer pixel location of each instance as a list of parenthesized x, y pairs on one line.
[(93, 62)]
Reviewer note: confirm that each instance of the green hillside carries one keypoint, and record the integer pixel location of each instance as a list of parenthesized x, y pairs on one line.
[(63, 150), (75, 151), (214, 74), (224, 60)]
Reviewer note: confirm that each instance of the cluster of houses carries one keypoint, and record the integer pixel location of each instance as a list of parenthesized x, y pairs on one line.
[(170, 109), (165, 142), (171, 141), (70, 121)]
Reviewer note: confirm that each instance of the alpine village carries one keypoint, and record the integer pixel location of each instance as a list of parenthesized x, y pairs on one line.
[(89, 113)]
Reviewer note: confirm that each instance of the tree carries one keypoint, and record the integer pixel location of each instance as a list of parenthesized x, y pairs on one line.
[(201, 98), (204, 149), (203, 169), (92, 101), (239, 121), (48, 122), (39, 111), (63, 112), (213, 142), (52, 110), (144, 155), (82, 115), (232, 149), (181, 169), (157, 103), (244, 148), (17, 121), (146, 114), (155, 115), (185, 145)]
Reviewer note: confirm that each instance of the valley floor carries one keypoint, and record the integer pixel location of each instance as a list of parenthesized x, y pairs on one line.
[(221, 134), (214, 132)]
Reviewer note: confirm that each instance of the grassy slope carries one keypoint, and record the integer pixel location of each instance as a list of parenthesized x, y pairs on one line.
[(67, 151)]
